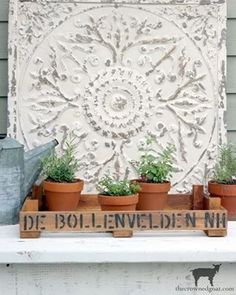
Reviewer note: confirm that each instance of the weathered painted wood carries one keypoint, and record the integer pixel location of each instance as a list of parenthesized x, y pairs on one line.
[(231, 8), (4, 10), (231, 74), (145, 246), (116, 279), (231, 37), (3, 78), (3, 40), (3, 115)]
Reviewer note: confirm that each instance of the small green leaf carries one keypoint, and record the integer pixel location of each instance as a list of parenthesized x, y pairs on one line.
[(156, 167)]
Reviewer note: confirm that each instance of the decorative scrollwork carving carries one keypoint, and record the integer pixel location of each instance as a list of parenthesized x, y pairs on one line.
[(114, 74)]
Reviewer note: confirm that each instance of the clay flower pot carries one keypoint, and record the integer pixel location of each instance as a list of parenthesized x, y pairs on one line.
[(118, 203), (152, 196), (62, 196), (227, 193)]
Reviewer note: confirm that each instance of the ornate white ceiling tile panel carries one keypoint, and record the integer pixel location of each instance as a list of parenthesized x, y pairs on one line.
[(114, 72)]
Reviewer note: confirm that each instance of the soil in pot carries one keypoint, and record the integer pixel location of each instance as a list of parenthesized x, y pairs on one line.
[(227, 193), (152, 196), (118, 203), (62, 196)]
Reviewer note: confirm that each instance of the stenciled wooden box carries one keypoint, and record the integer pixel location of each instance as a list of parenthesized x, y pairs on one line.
[(184, 212)]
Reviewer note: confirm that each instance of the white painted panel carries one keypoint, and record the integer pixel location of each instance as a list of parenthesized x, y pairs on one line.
[(143, 247), (115, 74), (118, 279)]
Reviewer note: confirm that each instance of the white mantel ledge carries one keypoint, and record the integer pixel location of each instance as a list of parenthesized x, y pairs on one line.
[(144, 247)]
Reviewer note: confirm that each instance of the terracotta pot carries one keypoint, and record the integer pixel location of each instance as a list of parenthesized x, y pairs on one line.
[(62, 196), (227, 193), (118, 203), (152, 196)]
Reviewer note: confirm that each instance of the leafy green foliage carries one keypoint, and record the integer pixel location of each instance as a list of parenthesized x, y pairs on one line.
[(156, 168), (108, 186), (61, 168), (225, 168)]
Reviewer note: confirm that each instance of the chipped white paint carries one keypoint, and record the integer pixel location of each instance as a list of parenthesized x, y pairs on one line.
[(145, 247), (115, 279), (97, 264), (114, 73)]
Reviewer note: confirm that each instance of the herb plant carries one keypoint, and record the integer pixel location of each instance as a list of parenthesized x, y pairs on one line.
[(225, 167), (108, 186), (153, 167), (61, 168)]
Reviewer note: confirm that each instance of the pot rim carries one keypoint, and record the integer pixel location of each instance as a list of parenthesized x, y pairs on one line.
[(63, 186), (150, 188), (118, 200), (77, 180), (221, 190), (213, 182)]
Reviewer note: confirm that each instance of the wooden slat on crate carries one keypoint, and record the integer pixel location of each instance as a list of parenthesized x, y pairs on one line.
[(134, 220), (198, 196), (30, 205), (214, 204), (122, 233)]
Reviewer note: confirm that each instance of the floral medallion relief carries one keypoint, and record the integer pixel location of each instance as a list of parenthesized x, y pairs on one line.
[(115, 74)]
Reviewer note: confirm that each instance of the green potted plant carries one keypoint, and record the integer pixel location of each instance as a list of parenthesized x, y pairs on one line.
[(223, 184), (117, 195), (62, 189), (154, 171)]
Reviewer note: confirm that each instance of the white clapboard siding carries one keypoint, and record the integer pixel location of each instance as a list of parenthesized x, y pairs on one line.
[(231, 74), (3, 39), (3, 77), (3, 115), (3, 64), (231, 37), (231, 107), (231, 11), (4, 10)]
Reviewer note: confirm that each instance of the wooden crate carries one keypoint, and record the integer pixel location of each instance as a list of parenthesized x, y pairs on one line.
[(183, 212)]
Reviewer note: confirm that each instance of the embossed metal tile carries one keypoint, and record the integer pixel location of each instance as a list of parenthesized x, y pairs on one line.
[(115, 72)]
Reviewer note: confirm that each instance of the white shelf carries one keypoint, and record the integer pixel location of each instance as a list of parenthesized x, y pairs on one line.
[(144, 247)]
